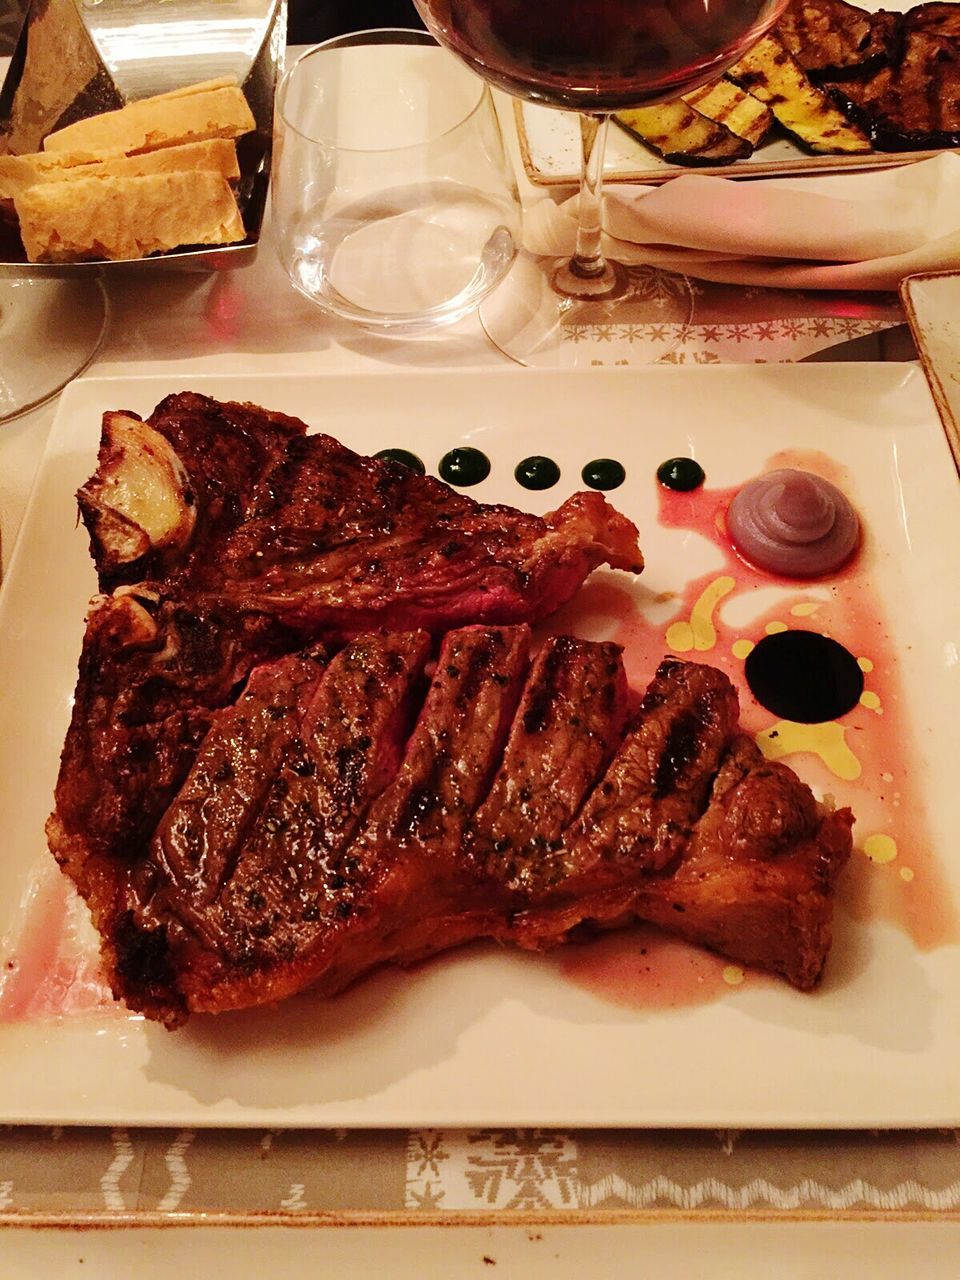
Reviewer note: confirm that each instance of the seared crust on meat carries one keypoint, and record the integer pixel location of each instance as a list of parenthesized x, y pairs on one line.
[(755, 880), (303, 529), (259, 793), (309, 847)]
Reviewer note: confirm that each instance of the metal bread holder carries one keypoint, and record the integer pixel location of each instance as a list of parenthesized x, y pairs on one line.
[(193, 40)]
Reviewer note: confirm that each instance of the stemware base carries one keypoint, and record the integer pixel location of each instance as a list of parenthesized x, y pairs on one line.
[(50, 330), (640, 320)]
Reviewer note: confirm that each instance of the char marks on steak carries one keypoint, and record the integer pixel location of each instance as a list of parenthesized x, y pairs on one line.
[(265, 786), (756, 877), (353, 857), (567, 728), (244, 507), (152, 674)]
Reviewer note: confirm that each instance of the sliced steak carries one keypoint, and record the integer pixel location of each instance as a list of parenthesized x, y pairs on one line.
[(199, 840), (152, 673), (454, 750), (318, 835), (198, 843), (420, 894), (643, 809), (755, 881), (639, 817), (568, 726), (269, 927)]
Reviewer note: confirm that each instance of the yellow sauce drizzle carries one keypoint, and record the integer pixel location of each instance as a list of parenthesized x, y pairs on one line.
[(775, 628), (871, 701), (742, 649), (880, 848), (699, 633), (805, 609), (828, 741)]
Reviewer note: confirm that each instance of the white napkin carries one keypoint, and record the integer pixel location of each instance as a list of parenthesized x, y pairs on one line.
[(863, 230)]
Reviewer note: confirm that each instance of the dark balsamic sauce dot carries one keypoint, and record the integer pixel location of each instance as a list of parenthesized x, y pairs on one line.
[(603, 473), (804, 677), (404, 457), (464, 466), (537, 472), (681, 474)]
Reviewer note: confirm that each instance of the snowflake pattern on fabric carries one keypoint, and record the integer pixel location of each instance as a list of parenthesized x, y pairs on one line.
[(525, 1170), (715, 342)]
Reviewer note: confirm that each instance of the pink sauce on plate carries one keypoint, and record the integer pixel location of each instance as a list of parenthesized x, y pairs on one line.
[(867, 759)]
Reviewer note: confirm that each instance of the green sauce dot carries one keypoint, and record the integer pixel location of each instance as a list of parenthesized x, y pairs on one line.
[(537, 472), (603, 473), (464, 466), (682, 474), (404, 457)]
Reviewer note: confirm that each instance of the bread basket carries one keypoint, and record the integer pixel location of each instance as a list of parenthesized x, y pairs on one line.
[(75, 59)]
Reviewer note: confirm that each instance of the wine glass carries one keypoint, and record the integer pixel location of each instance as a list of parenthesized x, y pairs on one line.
[(50, 330), (594, 57)]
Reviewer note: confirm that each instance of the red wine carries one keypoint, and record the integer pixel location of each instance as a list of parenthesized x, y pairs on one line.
[(599, 55)]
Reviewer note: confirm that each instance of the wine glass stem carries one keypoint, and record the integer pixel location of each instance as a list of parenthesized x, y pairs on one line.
[(588, 275), (588, 261)]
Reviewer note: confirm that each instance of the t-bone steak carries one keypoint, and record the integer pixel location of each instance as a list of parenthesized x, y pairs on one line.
[(243, 507), (289, 763)]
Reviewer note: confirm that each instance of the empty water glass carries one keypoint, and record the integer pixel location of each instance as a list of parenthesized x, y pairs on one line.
[(394, 201)]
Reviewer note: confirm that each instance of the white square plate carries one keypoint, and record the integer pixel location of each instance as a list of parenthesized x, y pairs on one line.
[(586, 1037)]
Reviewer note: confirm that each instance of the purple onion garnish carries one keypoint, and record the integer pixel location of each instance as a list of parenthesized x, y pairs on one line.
[(793, 523)]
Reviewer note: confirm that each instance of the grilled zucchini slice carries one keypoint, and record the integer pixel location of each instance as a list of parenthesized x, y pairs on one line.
[(682, 135), (729, 105), (769, 73)]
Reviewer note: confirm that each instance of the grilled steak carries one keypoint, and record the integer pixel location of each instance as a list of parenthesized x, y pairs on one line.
[(755, 880), (260, 793), (568, 726), (309, 847), (152, 674), (269, 926), (240, 506)]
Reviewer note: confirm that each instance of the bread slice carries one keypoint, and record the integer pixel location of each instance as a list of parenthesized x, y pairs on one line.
[(126, 217), (192, 114), (202, 86), (219, 155)]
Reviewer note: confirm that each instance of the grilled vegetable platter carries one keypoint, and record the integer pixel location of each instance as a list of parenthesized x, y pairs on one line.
[(833, 86)]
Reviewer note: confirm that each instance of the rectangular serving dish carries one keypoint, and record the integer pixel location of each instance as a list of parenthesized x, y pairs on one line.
[(932, 305), (486, 1036), (549, 143)]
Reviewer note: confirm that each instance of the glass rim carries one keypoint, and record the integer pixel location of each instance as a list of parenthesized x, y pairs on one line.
[(350, 39)]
